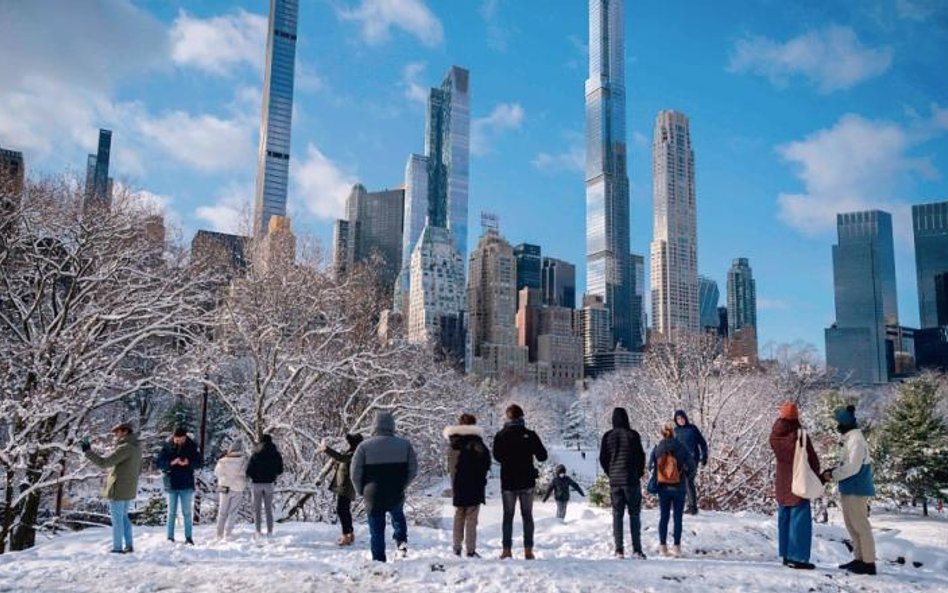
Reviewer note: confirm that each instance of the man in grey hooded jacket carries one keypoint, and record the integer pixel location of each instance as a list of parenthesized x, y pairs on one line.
[(382, 468)]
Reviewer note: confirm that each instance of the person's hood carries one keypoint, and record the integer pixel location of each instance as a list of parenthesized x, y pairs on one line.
[(683, 415), (384, 424), (463, 430), (785, 426), (620, 419), (560, 469)]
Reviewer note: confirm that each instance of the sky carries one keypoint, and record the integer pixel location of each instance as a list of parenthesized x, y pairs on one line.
[(798, 110)]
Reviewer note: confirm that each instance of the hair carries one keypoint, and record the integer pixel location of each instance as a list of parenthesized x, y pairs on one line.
[(467, 419), (353, 439), (668, 430), (180, 431), (514, 412)]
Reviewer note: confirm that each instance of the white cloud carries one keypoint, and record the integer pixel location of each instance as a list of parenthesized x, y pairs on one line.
[(497, 34), (230, 212), (378, 17), (204, 142), (857, 164), (765, 304), (504, 117), (414, 90), (919, 10), (320, 184), (219, 44), (832, 59), (640, 139), (573, 161)]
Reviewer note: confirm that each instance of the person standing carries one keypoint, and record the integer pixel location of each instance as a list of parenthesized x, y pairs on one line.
[(794, 515), (178, 460), (622, 459), (515, 448), (855, 485), (231, 472), (121, 485), (342, 487), (382, 468), (560, 487), (691, 437), (672, 464), (265, 465), (468, 463)]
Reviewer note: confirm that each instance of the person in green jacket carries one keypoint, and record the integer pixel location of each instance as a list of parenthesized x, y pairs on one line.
[(121, 484), (342, 486)]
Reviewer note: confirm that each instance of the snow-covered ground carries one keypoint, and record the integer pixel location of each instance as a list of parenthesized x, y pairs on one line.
[(724, 552)]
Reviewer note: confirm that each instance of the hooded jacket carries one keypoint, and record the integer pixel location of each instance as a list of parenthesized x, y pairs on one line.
[(855, 474), (621, 455), (383, 466), (783, 441), (124, 465), (560, 486), (692, 438), (265, 463), (468, 463), (515, 447), (341, 479), (231, 472), (178, 477)]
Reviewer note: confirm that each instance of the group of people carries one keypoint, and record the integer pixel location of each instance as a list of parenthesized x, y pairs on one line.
[(380, 469)]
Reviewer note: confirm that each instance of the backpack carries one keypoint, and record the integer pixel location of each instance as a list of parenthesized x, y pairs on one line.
[(668, 472)]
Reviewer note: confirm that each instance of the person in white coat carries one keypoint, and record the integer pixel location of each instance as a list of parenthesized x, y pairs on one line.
[(231, 472)]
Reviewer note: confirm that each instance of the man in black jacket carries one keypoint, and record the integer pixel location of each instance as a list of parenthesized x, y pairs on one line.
[(691, 437), (623, 460), (264, 466), (178, 459), (515, 447)]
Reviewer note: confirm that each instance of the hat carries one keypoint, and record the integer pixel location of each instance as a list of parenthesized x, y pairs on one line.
[(789, 411), (846, 416), (123, 426)]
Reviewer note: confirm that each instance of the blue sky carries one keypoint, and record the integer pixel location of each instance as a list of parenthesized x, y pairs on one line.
[(798, 110)]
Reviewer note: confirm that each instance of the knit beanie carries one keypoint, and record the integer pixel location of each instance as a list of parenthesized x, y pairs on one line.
[(789, 411)]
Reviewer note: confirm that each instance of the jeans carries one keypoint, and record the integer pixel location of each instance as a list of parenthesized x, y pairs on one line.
[(627, 498), (561, 508), (465, 528), (344, 512), (262, 496), (121, 524), (377, 531), (185, 498), (227, 507), (795, 531), (509, 499), (691, 493), (668, 499)]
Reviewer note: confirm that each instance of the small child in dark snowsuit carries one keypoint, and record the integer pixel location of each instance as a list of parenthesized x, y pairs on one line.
[(560, 487)]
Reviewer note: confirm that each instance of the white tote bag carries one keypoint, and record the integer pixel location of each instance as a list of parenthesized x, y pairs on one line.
[(806, 484)]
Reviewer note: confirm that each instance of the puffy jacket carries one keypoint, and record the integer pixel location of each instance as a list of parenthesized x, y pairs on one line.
[(621, 455), (468, 463), (686, 463), (177, 477), (383, 466), (561, 485), (692, 438), (231, 472), (515, 447), (855, 474), (341, 481), (265, 463), (124, 465), (783, 441)]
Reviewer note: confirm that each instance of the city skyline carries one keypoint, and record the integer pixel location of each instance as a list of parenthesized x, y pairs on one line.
[(771, 192)]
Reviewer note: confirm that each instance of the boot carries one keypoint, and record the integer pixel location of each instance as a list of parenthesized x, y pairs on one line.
[(663, 550), (528, 554), (345, 539), (868, 568), (505, 554), (849, 564), (676, 551)]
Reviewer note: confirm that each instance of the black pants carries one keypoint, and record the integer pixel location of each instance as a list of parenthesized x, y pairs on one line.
[(510, 498), (344, 510), (627, 499)]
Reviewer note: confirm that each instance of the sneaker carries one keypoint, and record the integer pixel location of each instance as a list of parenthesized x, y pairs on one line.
[(800, 565), (128, 550), (637, 555), (189, 541), (620, 555), (402, 549), (676, 551), (117, 551), (457, 552), (505, 554), (663, 550)]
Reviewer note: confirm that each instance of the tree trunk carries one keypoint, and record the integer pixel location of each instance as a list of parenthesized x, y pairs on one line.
[(7, 524), (24, 536), (924, 506)]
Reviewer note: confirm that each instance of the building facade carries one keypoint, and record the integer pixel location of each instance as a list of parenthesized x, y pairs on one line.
[(674, 261), (558, 283), (529, 266), (276, 116), (930, 226), (413, 222), (373, 228), (98, 183), (639, 317), (12, 178), (607, 181), (708, 298), (742, 311)]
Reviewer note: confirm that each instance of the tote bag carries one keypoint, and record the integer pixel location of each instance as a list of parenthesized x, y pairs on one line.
[(806, 484)]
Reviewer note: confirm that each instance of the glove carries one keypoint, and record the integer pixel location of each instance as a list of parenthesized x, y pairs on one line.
[(84, 444)]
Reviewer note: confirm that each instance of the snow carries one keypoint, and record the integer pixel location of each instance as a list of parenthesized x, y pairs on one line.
[(723, 552)]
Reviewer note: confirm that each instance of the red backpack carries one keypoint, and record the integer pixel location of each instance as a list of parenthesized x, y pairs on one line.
[(668, 473)]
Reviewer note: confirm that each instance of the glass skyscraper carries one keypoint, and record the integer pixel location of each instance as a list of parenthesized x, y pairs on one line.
[(930, 224), (97, 171), (607, 182), (529, 265), (273, 159), (865, 291), (708, 297), (558, 283), (741, 296), (639, 321)]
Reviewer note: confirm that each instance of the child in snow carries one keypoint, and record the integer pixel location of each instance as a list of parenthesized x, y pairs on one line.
[(561, 485), (231, 472)]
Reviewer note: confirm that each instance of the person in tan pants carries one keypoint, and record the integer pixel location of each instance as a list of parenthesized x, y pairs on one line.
[(468, 463)]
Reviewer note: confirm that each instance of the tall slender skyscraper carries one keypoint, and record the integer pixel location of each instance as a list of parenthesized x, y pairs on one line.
[(741, 296), (273, 158), (930, 223), (98, 186), (708, 297), (607, 181), (675, 231), (639, 321)]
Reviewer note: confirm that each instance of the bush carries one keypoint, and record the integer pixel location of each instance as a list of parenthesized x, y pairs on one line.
[(599, 492)]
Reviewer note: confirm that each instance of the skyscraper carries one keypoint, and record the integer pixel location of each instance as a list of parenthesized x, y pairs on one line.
[(639, 321), (98, 187), (675, 233), (708, 297), (558, 283), (273, 158), (930, 223), (529, 266), (11, 178), (607, 182), (413, 222), (741, 295), (864, 284), (373, 227)]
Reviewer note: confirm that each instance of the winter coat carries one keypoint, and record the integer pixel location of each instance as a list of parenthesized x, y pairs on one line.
[(515, 447), (177, 477), (468, 463), (783, 440), (231, 472), (692, 439), (686, 463), (621, 455), (124, 465), (341, 484), (265, 463), (855, 474), (560, 487), (383, 466)]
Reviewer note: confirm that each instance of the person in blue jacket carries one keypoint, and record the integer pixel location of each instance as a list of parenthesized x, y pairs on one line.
[(693, 440), (178, 460)]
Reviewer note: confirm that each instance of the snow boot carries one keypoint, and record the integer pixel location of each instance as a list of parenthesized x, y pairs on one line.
[(346, 539), (848, 565), (620, 555), (528, 554), (676, 551), (867, 568), (663, 550), (505, 554)]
